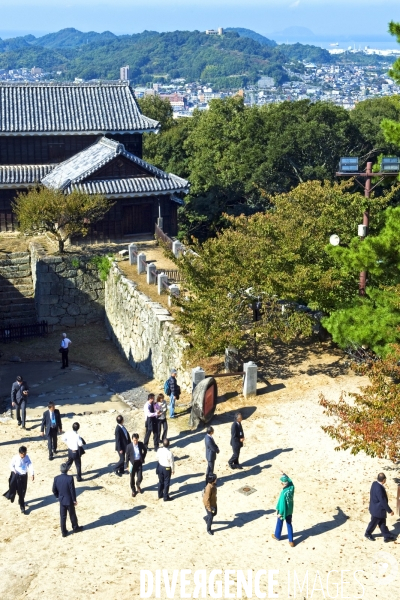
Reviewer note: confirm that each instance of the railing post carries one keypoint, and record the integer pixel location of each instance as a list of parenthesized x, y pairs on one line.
[(162, 281), (151, 273), (250, 379), (141, 263), (174, 291), (198, 374), (176, 248), (132, 248)]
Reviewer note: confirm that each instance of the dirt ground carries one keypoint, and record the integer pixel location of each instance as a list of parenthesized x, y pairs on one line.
[(122, 535)]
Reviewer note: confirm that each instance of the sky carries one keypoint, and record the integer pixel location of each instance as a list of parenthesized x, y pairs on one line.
[(324, 17)]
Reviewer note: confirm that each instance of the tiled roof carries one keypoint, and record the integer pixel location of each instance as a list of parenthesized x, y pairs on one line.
[(48, 108), (141, 186), (21, 175), (70, 174)]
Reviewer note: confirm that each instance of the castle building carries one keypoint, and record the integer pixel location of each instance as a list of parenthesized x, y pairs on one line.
[(86, 136)]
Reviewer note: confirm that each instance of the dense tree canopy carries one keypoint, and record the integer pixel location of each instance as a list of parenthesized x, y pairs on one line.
[(233, 154), (281, 254)]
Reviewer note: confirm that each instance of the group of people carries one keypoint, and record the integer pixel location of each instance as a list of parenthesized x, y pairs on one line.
[(132, 454)]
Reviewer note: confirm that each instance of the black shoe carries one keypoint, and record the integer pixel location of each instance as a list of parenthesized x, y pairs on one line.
[(210, 532), (79, 479), (388, 539), (65, 534), (169, 499), (23, 512), (78, 529), (239, 467), (369, 537), (231, 466), (118, 473), (133, 494), (51, 457), (55, 451), (19, 424)]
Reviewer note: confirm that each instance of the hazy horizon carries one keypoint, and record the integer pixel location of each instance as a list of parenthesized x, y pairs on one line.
[(330, 18)]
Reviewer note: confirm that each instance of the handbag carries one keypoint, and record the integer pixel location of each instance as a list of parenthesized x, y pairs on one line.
[(60, 349)]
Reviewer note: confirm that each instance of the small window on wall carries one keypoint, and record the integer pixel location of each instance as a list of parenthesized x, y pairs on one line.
[(56, 152)]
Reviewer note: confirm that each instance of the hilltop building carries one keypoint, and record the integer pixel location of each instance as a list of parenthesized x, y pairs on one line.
[(124, 73), (219, 31), (88, 137)]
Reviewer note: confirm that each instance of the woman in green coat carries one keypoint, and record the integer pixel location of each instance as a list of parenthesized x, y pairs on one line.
[(285, 509)]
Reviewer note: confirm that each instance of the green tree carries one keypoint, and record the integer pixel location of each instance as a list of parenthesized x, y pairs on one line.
[(63, 215), (278, 254), (373, 320)]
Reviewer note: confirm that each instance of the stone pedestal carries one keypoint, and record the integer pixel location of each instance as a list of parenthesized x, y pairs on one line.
[(162, 282), (151, 273), (174, 292), (250, 379), (133, 251), (232, 364), (198, 374), (176, 248), (141, 263)]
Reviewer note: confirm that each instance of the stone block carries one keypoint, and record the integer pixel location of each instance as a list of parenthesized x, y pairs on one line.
[(53, 320), (80, 320), (57, 311), (59, 268), (68, 320), (57, 289), (70, 273), (53, 260), (49, 278), (73, 309)]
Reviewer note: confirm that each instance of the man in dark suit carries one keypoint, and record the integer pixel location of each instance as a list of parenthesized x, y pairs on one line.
[(378, 507), (122, 439), (64, 491), (211, 451), (51, 425), (19, 399), (237, 439), (135, 454)]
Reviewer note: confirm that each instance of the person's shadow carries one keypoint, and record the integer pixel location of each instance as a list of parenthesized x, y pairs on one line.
[(320, 528), (115, 517), (38, 503), (242, 519), (266, 456)]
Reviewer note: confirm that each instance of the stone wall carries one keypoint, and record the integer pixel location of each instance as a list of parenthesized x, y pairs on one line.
[(68, 291), (17, 305), (144, 331)]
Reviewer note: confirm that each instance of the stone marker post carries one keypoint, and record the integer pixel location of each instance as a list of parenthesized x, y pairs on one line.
[(198, 374), (250, 379), (162, 282), (141, 263), (151, 273), (173, 291), (176, 248), (132, 248)]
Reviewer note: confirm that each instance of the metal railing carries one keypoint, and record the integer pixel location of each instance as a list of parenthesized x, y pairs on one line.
[(20, 332), (172, 274)]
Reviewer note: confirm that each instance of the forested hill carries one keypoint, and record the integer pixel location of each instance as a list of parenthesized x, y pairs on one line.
[(232, 60)]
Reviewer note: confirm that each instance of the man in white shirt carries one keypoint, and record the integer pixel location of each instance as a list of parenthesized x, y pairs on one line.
[(165, 469), (65, 344), (151, 415), (75, 449), (18, 482)]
